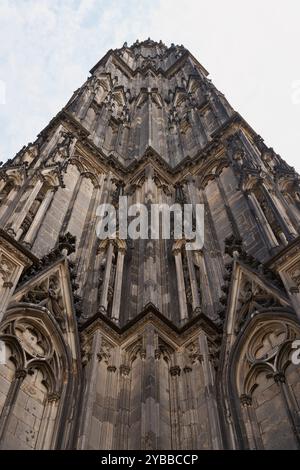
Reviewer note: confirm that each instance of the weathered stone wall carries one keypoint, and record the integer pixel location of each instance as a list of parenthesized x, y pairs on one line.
[(152, 339), (148, 394)]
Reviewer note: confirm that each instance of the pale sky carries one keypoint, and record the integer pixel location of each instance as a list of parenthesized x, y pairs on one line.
[(251, 50)]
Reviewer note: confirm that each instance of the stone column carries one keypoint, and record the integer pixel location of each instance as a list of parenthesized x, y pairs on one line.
[(8, 200), (180, 285), (87, 255), (229, 212), (194, 126), (85, 102), (10, 402), (94, 255), (90, 392), (210, 393), (149, 247), (107, 424), (65, 227), (105, 284), (18, 217), (30, 235), (118, 285), (201, 134), (121, 149), (261, 218), (279, 211), (12, 264), (175, 411), (149, 397), (286, 199), (250, 422), (96, 123), (291, 405), (123, 401), (189, 398), (193, 281), (217, 110), (46, 432), (292, 287), (201, 115)]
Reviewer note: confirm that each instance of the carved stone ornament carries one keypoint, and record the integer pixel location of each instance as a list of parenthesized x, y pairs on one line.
[(48, 294)]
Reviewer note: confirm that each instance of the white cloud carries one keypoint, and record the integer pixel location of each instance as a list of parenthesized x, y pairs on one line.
[(48, 46), (251, 51)]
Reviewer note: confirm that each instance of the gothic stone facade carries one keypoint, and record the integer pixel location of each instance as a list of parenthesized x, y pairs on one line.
[(114, 344)]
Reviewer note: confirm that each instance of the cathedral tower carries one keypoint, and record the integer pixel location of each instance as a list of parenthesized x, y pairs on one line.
[(143, 344)]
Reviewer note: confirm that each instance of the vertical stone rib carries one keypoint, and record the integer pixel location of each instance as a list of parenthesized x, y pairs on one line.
[(180, 286), (17, 219), (263, 223), (118, 285), (10, 401), (39, 216), (90, 378), (216, 442), (107, 275)]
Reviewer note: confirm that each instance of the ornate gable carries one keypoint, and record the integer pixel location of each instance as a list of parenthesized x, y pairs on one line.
[(248, 294), (52, 292)]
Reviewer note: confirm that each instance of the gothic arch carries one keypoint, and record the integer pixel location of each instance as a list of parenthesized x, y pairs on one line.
[(258, 378), (211, 171), (16, 353), (90, 175), (78, 162), (85, 168), (43, 376)]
